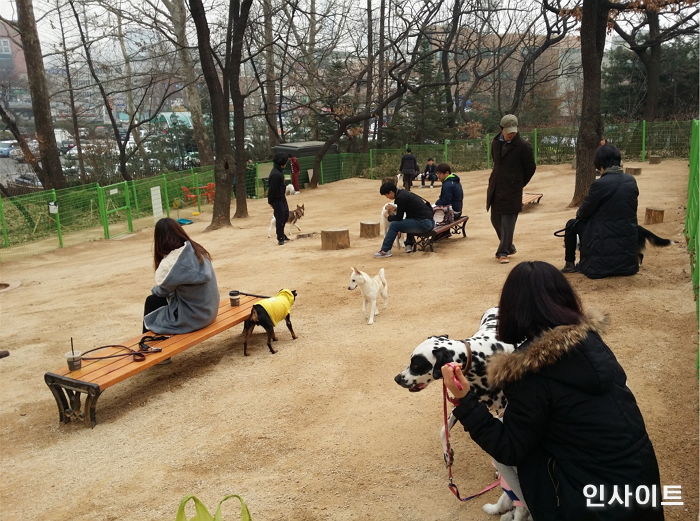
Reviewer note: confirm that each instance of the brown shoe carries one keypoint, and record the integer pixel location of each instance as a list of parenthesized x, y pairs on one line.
[(4, 353), (503, 260)]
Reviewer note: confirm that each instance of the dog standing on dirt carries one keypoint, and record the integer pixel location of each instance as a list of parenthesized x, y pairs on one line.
[(472, 354), (267, 313), (371, 288), (294, 216)]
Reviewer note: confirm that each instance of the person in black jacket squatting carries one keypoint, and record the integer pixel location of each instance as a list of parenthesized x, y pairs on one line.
[(276, 197), (418, 213), (572, 427), (606, 222)]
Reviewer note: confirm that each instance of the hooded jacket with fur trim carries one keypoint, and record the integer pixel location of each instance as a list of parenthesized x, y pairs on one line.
[(571, 421)]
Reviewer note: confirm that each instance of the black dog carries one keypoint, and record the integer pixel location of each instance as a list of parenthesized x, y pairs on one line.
[(260, 317), (644, 235)]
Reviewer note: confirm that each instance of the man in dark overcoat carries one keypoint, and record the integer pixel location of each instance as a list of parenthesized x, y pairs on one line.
[(513, 167)]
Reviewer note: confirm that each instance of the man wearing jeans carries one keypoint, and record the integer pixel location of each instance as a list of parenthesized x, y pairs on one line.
[(418, 215), (513, 167)]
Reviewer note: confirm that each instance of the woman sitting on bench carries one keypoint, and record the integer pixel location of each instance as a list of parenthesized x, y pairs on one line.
[(186, 295)]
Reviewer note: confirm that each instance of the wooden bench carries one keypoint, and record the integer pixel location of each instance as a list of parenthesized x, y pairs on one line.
[(530, 198), (424, 241), (97, 375)]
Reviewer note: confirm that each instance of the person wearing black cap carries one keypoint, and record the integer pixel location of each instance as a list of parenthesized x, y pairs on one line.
[(276, 196), (513, 167)]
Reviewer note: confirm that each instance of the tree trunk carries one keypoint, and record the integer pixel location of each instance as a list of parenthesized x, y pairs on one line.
[(380, 73), (194, 103), (270, 89), (370, 76), (41, 103), (445, 61), (225, 164), (238, 99), (593, 29), (71, 96), (653, 66)]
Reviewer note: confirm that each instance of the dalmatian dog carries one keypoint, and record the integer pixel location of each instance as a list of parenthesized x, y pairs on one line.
[(425, 366)]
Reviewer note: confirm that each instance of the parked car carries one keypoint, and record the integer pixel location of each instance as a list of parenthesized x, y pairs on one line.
[(28, 179), (17, 154), (6, 147)]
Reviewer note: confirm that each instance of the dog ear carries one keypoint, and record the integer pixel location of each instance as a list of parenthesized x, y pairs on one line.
[(294, 292), (442, 356), (355, 270)]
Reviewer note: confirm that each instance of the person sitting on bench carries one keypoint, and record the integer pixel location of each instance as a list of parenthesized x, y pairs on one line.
[(451, 193), (418, 213), (429, 174), (606, 222), (186, 295)]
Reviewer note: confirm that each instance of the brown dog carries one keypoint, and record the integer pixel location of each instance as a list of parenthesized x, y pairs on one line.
[(267, 313), (294, 216)]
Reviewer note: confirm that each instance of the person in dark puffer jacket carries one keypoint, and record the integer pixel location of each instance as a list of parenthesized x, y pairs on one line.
[(571, 420), (606, 222), (451, 193)]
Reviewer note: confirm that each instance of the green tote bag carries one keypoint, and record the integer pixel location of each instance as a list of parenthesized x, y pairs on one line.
[(202, 514)]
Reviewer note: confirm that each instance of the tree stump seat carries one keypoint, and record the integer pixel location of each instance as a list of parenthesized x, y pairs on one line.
[(335, 239), (368, 229)]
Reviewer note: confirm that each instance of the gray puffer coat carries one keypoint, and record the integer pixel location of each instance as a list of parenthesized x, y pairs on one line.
[(192, 292)]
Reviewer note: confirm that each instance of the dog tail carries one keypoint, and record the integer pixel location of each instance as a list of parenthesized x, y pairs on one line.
[(382, 277), (655, 240)]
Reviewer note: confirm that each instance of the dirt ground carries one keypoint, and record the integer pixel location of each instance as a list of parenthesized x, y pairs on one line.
[(319, 431)]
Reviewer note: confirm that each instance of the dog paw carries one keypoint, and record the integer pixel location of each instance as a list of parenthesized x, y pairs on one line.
[(508, 516)]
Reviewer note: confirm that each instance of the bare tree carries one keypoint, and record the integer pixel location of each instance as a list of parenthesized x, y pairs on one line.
[(50, 174), (645, 33)]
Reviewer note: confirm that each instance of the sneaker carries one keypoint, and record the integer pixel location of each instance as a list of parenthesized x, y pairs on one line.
[(569, 267), (503, 260), (513, 251), (287, 238), (408, 248), (281, 243), (381, 254), (431, 186)]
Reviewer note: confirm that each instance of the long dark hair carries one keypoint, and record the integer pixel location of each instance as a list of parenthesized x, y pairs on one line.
[(535, 297), (168, 235)]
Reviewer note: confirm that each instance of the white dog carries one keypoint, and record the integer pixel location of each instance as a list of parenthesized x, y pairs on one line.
[(387, 210), (371, 288), (289, 190)]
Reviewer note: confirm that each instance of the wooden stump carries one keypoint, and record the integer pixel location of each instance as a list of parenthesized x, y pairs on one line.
[(653, 216), (336, 239), (633, 171), (369, 229), (654, 160)]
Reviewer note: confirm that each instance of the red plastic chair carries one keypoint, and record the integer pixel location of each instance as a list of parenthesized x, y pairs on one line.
[(188, 196), (209, 192)]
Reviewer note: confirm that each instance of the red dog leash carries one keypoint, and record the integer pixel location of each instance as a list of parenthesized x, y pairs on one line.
[(451, 484)]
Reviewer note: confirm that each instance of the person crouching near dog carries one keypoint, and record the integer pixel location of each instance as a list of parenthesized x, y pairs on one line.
[(571, 425), (418, 215), (276, 196), (606, 222), (186, 295)]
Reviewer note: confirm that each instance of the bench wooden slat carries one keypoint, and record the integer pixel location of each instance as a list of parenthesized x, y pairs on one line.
[(425, 240)]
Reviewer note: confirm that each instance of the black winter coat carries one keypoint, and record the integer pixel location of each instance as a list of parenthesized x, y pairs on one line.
[(608, 226), (276, 188), (451, 193), (412, 206), (513, 167), (409, 165), (571, 421)]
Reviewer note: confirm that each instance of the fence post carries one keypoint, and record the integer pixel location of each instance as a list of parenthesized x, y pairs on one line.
[(164, 193), (488, 151), (321, 180), (103, 211), (127, 202), (643, 153), (3, 225), (56, 218), (136, 199), (445, 151), (535, 146)]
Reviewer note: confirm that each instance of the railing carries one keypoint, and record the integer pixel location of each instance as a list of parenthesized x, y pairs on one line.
[(51, 218)]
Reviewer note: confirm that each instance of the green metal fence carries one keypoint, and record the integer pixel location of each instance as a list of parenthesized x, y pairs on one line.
[(53, 218), (692, 217)]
